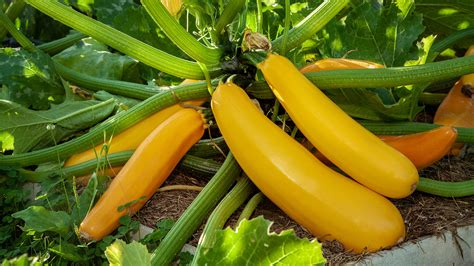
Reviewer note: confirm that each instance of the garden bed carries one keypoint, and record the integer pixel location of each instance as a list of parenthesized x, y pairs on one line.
[(424, 214)]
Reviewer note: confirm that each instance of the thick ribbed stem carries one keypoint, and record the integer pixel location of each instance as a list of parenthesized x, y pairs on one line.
[(196, 213), (229, 204), (120, 41), (311, 24), (179, 36), (12, 12)]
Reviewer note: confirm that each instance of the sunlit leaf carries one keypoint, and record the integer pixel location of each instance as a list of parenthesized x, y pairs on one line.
[(29, 78), (252, 244), (30, 129), (383, 34), (443, 17), (39, 219), (91, 57), (122, 254)]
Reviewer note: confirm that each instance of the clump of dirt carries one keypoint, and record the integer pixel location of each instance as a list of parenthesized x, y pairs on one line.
[(424, 214)]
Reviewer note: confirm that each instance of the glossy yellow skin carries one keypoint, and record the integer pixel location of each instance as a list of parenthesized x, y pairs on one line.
[(339, 63), (469, 78), (325, 202), (457, 109), (173, 6), (130, 138), (351, 147), (150, 165)]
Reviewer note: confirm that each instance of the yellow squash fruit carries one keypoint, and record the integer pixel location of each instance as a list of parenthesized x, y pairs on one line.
[(150, 165), (347, 144), (328, 204)]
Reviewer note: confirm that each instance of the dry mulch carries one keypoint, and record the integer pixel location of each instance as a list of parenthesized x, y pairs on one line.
[(424, 214)]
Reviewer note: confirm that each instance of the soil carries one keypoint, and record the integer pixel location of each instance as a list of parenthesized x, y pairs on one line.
[(423, 214)]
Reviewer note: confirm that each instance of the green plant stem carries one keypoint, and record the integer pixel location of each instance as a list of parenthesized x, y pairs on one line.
[(250, 207), (190, 162), (208, 148), (19, 37), (58, 45), (200, 165), (446, 189), (465, 135), (395, 76), (230, 11), (121, 41), (382, 77), (229, 204), (286, 28), (113, 125), (428, 98), (276, 109), (179, 36), (259, 16), (447, 42), (123, 88), (311, 24), (197, 212), (12, 12)]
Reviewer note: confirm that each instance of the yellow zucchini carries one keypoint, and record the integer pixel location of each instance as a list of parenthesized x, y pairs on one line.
[(338, 63), (150, 165), (325, 202), (351, 147)]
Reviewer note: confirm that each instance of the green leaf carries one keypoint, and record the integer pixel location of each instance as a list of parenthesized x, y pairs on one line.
[(29, 79), (162, 228), (368, 104), (91, 57), (371, 31), (70, 252), (38, 129), (385, 34), (185, 258), (203, 11), (83, 5), (22, 260), (39, 219), (124, 102), (85, 200), (122, 254), (252, 244), (444, 17), (107, 10)]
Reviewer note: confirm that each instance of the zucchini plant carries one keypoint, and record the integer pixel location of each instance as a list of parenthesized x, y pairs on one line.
[(320, 72)]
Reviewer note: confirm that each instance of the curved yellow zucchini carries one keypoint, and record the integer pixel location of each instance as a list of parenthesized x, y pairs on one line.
[(338, 63), (325, 202), (150, 165), (351, 147)]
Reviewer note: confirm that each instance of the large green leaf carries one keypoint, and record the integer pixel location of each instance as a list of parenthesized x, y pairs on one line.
[(91, 57), (26, 129), (383, 33), (443, 17), (39, 219), (122, 254), (372, 31), (29, 79), (252, 244)]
